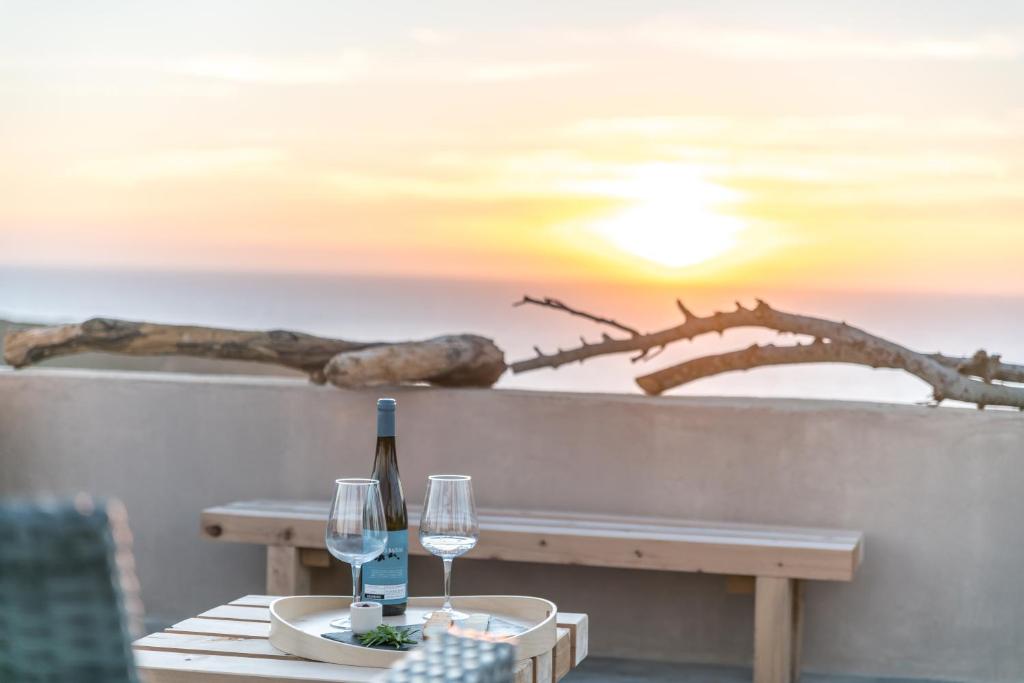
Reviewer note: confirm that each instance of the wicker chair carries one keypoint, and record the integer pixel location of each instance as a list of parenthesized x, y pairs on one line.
[(68, 594), (462, 657)]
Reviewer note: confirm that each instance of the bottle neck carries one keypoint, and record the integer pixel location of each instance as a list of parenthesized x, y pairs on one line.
[(385, 424), (385, 458), (385, 470)]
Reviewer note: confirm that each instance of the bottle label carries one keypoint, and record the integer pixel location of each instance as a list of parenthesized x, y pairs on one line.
[(386, 578)]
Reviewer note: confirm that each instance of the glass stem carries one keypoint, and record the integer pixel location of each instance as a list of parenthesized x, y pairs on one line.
[(447, 584), (357, 583)]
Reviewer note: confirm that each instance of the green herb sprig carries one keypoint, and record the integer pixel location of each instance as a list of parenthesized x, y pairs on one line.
[(387, 635)]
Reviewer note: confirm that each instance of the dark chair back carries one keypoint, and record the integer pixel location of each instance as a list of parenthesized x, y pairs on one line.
[(68, 594)]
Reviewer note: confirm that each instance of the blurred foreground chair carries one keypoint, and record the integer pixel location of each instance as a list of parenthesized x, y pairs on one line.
[(457, 657), (68, 593)]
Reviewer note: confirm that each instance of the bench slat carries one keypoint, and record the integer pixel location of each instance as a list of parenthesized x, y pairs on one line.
[(591, 540), (605, 524)]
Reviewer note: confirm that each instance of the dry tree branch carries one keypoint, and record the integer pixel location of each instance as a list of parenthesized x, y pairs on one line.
[(983, 366), (754, 356), (556, 304), (847, 344), (692, 326), (819, 351)]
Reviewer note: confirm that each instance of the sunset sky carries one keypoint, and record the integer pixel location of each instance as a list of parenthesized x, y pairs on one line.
[(857, 145)]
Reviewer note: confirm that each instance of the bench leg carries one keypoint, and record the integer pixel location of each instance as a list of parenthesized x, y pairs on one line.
[(798, 630), (777, 626), (286, 575)]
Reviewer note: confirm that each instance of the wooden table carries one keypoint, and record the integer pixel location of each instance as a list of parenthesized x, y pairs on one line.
[(228, 644)]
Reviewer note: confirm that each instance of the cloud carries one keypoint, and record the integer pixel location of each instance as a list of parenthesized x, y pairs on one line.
[(745, 42), (522, 71), (178, 164), (349, 66), (430, 36), (827, 130), (828, 44), (470, 187), (454, 175), (649, 126)]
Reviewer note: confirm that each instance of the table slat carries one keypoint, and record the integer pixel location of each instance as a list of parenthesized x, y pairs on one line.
[(255, 600), (179, 667), (211, 645), (238, 613), (223, 627)]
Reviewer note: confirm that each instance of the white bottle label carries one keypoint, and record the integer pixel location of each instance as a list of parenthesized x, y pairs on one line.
[(385, 579), (373, 591)]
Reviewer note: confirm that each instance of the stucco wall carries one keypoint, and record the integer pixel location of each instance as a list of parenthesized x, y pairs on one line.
[(938, 493)]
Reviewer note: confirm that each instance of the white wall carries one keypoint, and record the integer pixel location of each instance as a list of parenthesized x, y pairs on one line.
[(938, 493)]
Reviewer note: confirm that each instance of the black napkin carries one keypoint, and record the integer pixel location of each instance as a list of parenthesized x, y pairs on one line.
[(350, 638)]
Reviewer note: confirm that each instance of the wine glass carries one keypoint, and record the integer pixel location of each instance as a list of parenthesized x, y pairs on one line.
[(356, 531), (448, 527)]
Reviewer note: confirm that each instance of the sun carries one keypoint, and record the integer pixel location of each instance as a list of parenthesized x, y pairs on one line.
[(675, 217)]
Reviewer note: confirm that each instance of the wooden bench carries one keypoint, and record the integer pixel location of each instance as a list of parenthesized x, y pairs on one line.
[(779, 558)]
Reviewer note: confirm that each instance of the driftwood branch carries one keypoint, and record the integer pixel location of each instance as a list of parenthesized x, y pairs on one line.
[(462, 360), (950, 377), (457, 360), (295, 350)]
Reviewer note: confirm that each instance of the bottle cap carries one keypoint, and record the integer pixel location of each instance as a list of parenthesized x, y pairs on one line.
[(386, 404)]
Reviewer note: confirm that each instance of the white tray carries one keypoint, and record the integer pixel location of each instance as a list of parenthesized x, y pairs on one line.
[(296, 625)]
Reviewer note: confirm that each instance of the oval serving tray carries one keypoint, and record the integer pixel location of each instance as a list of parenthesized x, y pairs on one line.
[(297, 622)]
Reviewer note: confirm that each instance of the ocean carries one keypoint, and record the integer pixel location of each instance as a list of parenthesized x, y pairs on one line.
[(395, 308)]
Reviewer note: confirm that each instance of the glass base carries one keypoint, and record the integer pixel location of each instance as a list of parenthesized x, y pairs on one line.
[(344, 623), (455, 615)]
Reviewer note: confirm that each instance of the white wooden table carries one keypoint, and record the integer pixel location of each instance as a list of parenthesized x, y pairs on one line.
[(228, 644)]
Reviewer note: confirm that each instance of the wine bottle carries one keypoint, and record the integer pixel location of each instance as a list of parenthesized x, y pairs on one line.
[(386, 579)]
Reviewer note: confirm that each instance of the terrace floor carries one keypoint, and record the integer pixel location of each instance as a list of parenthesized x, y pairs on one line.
[(608, 670)]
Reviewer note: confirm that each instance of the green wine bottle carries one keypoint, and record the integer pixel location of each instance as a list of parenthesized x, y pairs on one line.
[(386, 579)]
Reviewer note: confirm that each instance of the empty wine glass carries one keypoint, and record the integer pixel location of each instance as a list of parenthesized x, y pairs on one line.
[(448, 527), (356, 531)]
